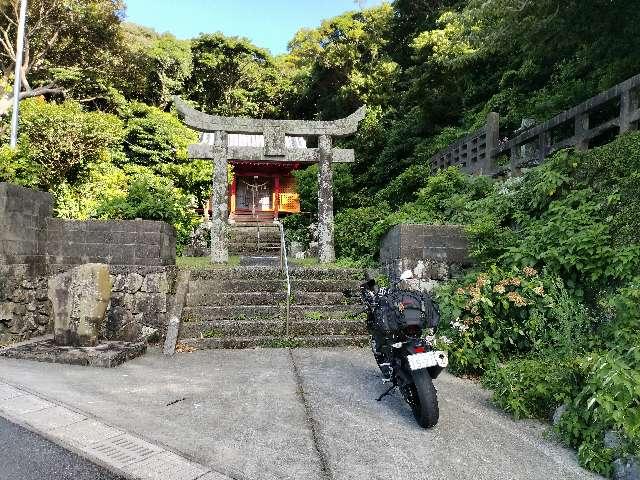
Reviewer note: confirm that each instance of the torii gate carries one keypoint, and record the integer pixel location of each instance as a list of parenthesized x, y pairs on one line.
[(275, 149)]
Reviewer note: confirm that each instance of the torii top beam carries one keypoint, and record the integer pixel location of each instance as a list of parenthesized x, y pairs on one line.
[(274, 132), (203, 122)]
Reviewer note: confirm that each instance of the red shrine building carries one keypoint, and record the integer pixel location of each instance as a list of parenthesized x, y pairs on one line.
[(261, 190)]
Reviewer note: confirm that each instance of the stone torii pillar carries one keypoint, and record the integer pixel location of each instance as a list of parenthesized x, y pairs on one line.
[(326, 250), (275, 149), (219, 200)]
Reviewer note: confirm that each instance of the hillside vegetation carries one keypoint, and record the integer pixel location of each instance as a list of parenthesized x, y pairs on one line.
[(548, 315)]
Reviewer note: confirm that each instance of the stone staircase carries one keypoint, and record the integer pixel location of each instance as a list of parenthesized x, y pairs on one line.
[(256, 244), (245, 307)]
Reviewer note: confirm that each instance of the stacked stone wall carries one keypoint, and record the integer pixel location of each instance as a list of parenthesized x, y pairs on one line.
[(34, 246), (139, 301), (431, 252), (23, 226), (137, 242)]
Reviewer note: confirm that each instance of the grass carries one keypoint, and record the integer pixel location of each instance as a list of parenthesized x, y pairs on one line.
[(204, 263)]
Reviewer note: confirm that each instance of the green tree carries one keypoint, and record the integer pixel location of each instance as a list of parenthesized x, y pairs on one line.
[(231, 76), (343, 64), (153, 66), (58, 141), (70, 44)]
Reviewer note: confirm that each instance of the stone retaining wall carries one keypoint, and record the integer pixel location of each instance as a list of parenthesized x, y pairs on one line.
[(25, 310), (33, 246), (431, 252)]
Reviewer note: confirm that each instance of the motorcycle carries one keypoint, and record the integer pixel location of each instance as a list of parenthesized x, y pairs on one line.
[(396, 319)]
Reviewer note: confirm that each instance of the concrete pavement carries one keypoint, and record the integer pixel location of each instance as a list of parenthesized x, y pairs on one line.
[(307, 413)]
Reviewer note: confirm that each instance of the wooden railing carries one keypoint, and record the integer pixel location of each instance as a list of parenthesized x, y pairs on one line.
[(611, 112)]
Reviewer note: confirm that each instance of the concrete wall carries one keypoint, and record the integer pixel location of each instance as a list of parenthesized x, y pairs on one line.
[(129, 242), (432, 252), (23, 226), (34, 246)]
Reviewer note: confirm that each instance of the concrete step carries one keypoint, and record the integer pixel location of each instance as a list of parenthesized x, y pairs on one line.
[(266, 272), (268, 312), (246, 251), (218, 285), (278, 342), (254, 234), (237, 273), (259, 260), (317, 273), (236, 285), (276, 328), (237, 298), (244, 246), (324, 285), (214, 298), (232, 328)]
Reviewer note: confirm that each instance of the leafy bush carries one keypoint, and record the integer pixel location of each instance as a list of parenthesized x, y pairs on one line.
[(153, 198), (533, 387), (609, 399), (58, 142), (355, 232), (494, 315)]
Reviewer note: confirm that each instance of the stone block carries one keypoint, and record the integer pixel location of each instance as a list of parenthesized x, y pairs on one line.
[(439, 247), (98, 237), (129, 237), (133, 282), (80, 298), (151, 238)]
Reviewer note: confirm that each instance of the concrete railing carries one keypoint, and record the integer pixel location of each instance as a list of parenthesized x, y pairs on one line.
[(474, 153), (612, 112)]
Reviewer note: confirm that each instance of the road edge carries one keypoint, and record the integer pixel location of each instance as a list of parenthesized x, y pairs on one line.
[(122, 453)]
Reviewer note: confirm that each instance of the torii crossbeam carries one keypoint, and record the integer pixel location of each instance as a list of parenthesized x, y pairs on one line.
[(274, 150)]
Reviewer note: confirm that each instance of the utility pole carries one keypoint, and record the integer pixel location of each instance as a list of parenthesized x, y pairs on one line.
[(17, 84)]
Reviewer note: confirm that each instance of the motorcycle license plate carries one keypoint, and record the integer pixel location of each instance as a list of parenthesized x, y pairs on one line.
[(419, 361)]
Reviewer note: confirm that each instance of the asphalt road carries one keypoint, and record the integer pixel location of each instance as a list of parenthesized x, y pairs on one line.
[(27, 456)]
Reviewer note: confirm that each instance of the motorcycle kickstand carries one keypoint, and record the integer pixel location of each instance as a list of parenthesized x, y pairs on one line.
[(388, 392)]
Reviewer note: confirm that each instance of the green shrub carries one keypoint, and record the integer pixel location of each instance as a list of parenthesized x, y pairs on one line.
[(153, 198), (494, 315), (533, 387), (58, 141), (356, 235), (609, 399)]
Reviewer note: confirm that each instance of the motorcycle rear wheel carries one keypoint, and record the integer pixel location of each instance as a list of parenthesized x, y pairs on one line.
[(424, 401)]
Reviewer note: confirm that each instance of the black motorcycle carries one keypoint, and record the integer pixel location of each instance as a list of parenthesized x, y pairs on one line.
[(396, 320)]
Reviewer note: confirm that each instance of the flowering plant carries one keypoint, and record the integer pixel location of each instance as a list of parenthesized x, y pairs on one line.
[(495, 314)]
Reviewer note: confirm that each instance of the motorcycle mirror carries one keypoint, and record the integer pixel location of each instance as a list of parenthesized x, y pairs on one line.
[(406, 275)]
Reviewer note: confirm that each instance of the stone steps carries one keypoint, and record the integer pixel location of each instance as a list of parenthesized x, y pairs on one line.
[(266, 298), (260, 328), (271, 285), (277, 342), (267, 273), (268, 312), (245, 307)]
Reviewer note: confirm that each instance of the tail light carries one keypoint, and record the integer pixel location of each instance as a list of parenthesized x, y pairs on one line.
[(419, 349)]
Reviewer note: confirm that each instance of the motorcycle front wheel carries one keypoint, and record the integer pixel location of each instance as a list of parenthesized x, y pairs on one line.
[(423, 399)]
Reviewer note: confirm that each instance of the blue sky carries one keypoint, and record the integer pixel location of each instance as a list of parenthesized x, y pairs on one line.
[(268, 23)]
